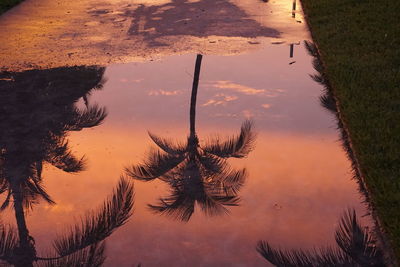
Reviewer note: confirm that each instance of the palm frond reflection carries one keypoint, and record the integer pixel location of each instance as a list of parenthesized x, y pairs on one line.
[(196, 173), (83, 245), (355, 247), (98, 225), (37, 110), (328, 101), (93, 256)]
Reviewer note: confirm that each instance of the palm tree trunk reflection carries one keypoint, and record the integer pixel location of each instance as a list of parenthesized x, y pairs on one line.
[(37, 110), (82, 246), (194, 96), (196, 173), (25, 252)]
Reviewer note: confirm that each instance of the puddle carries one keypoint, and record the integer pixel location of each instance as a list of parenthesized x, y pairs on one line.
[(298, 178), (76, 130)]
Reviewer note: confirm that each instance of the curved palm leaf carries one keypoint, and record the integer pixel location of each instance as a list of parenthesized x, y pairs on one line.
[(168, 145), (356, 247), (357, 242), (60, 156), (328, 102), (98, 225), (228, 182), (92, 256), (189, 186), (284, 258), (6, 202), (186, 189), (318, 78), (311, 48), (31, 190), (317, 64), (215, 204), (315, 258), (178, 205), (90, 117), (100, 84), (157, 164), (212, 163), (237, 147), (8, 242)]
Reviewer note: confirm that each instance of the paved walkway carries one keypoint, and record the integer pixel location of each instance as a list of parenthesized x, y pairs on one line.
[(48, 33)]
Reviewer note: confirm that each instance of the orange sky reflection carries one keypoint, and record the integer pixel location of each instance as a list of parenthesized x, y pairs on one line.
[(296, 190)]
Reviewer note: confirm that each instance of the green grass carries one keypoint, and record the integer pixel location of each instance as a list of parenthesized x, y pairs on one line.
[(359, 42), (7, 4)]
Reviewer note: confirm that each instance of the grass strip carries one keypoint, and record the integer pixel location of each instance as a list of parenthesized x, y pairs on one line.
[(7, 4), (359, 42)]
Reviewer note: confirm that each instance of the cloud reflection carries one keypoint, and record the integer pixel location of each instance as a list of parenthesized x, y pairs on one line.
[(197, 174), (164, 92)]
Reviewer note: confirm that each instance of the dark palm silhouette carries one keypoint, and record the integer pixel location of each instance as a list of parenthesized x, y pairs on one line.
[(83, 245), (328, 101), (355, 247), (37, 110), (196, 173)]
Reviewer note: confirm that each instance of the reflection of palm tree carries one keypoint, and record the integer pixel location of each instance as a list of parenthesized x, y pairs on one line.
[(196, 173), (356, 247), (328, 101), (83, 245), (37, 109)]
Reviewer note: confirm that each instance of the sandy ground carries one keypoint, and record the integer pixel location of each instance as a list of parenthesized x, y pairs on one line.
[(48, 33)]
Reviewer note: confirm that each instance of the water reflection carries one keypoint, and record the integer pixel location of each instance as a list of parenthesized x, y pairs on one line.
[(328, 101), (196, 173), (355, 247), (37, 110), (82, 246), (289, 148)]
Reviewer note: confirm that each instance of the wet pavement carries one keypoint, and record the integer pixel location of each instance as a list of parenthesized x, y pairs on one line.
[(46, 33), (282, 177)]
